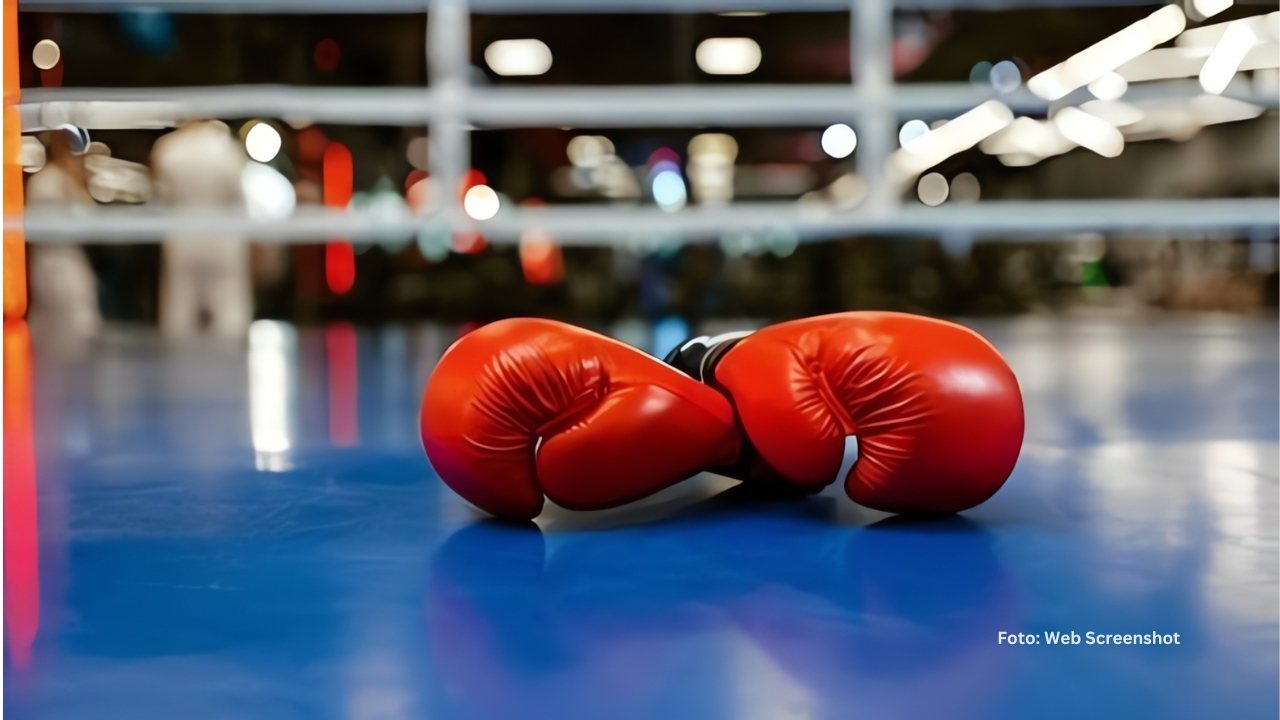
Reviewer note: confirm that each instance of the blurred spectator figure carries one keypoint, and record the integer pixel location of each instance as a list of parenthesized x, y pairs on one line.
[(63, 288), (198, 166), (126, 272)]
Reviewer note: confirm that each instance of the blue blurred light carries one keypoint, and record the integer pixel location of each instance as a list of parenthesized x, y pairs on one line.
[(980, 74), (912, 130), (1006, 76), (668, 333), (663, 166), (669, 191), (150, 29), (434, 242)]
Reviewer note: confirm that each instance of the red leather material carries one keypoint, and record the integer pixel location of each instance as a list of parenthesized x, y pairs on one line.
[(936, 411), (524, 408)]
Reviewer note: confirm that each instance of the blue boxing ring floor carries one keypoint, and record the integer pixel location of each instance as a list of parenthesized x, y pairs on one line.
[(249, 529)]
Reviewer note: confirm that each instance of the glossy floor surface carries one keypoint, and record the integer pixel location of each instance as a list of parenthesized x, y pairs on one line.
[(248, 529)]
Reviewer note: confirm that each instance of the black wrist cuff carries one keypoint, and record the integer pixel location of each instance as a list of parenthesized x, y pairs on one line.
[(698, 356)]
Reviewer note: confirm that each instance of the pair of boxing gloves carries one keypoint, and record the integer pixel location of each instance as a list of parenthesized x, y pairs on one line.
[(914, 415)]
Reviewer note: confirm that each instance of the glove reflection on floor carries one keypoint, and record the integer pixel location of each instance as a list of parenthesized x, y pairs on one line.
[(895, 619)]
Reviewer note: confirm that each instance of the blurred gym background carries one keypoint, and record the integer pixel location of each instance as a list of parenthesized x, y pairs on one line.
[(240, 233), (196, 165)]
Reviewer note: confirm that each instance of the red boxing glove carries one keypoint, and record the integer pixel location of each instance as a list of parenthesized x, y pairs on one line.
[(524, 408), (916, 415)]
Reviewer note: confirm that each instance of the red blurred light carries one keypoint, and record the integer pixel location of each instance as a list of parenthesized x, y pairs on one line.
[(418, 195), (413, 177), (416, 190), (342, 352), (339, 256), (469, 243), (21, 531), (339, 267), (311, 144), (326, 54), (471, 179), (664, 153), (541, 259), (338, 175)]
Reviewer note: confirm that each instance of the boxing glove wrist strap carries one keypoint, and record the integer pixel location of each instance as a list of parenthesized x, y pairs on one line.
[(698, 356)]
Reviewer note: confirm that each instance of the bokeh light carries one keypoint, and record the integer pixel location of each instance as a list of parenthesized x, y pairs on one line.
[(839, 141), (149, 28), (469, 243), (664, 156), (434, 242), (1006, 76), (268, 194), (728, 56), (262, 142), (1209, 8), (912, 130), (965, 188), (523, 57), (1111, 86), (668, 333), (713, 145), (847, 191), (588, 150), (933, 189), (980, 73), (1225, 58), (481, 202), (782, 242), (311, 142), (1089, 131), (339, 267), (1115, 112), (541, 260), (711, 167), (1109, 53), (338, 170), (46, 54), (416, 152), (418, 193), (669, 191), (326, 54)]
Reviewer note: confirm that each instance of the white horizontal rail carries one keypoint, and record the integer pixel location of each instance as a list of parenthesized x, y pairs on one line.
[(611, 224), (627, 106), (633, 106), (593, 7), (449, 106), (119, 108)]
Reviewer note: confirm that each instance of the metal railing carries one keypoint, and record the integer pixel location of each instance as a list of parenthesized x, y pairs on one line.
[(450, 107)]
